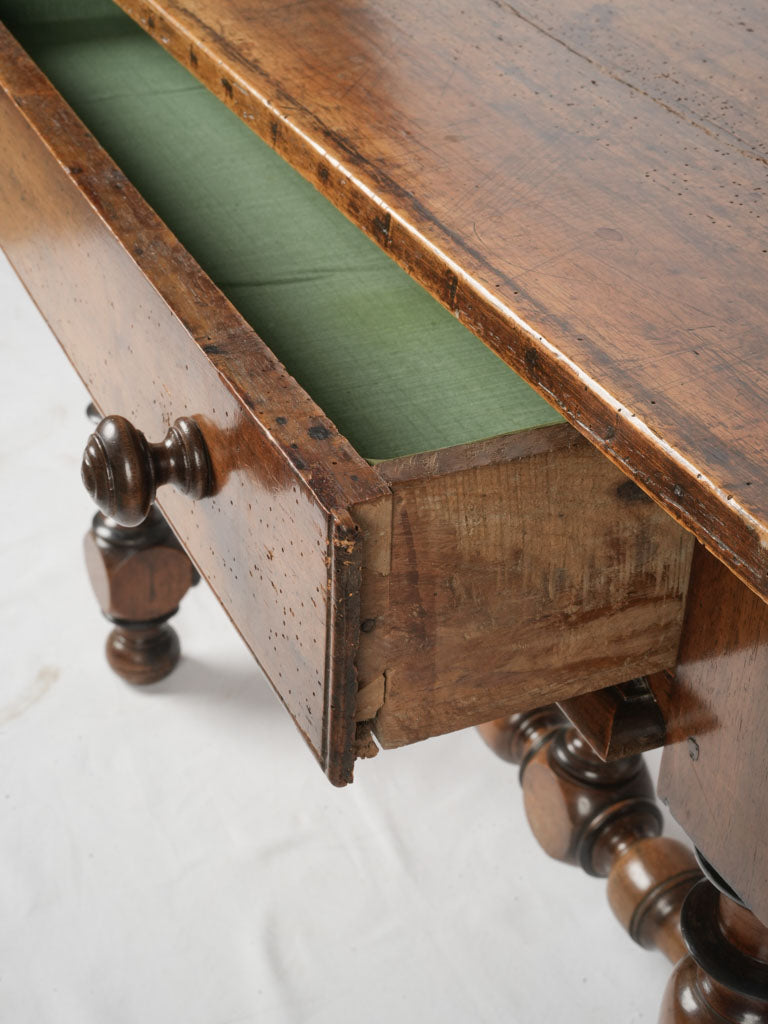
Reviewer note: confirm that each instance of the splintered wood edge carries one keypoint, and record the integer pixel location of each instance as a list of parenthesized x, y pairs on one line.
[(343, 632), (375, 522)]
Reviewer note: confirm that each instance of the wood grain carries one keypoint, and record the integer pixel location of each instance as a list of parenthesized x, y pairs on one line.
[(293, 523), (724, 977), (153, 339), (604, 236), (121, 470), (618, 721), (714, 772), (601, 817), (704, 61), (139, 575), (534, 575)]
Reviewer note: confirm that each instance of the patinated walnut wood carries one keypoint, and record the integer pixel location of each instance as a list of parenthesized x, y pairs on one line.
[(714, 771), (724, 977), (595, 218), (276, 542), (602, 817), (291, 525), (139, 575), (718, 60), (121, 470), (618, 721), (507, 574)]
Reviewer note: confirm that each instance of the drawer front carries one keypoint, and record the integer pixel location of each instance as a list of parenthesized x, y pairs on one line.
[(154, 339)]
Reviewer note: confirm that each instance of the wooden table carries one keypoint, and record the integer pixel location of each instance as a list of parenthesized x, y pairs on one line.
[(584, 187)]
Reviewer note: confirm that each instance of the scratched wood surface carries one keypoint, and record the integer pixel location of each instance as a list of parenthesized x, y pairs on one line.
[(535, 573), (583, 185), (153, 339), (298, 520)]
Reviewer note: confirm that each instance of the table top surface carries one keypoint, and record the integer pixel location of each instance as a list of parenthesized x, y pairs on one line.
[(583, 184)]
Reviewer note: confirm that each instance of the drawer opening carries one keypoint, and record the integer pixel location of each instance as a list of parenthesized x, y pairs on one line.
[(491, 561), (394, 370)]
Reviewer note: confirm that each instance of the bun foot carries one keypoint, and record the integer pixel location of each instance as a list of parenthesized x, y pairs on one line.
[(143, 653)]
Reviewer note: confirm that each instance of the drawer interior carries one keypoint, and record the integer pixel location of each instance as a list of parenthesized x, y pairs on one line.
[(396, 372), (507, 565)]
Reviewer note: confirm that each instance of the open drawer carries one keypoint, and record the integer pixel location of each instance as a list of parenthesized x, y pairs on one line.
[(407, 537)]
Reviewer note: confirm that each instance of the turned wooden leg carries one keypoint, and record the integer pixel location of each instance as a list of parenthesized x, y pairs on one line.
[(724, 977), (139, 572), (603, 817), (140, 575)]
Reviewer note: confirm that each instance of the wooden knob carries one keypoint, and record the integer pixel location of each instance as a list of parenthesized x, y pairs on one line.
[(121, 470)]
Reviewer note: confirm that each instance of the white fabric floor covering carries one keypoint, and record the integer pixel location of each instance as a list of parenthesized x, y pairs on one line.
[(175, 856)]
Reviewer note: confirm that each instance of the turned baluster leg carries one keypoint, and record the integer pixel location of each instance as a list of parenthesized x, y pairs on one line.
[(139, 574), (603, 817), (724, 977)]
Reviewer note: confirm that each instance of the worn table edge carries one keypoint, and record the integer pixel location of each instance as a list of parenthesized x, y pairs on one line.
[(698, 503)]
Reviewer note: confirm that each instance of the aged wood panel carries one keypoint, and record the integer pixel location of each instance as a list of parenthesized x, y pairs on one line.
[(605, 242), (153, 339), (714, 772), (618, 721), (535, 575), (705, 61)]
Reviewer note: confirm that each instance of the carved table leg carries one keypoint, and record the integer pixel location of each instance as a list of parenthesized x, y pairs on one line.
[(140, 575), (724, 977), (603, 817)]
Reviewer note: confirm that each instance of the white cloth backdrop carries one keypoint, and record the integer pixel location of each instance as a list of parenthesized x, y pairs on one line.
[(175, 856)]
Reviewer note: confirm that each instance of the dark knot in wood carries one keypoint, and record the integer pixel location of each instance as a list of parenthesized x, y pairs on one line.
[(122, 471)]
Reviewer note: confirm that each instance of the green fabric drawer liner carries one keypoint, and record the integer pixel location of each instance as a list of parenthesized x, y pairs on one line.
[(395, 372)]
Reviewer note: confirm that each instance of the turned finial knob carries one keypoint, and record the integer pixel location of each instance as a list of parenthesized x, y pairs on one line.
[(121, 470)]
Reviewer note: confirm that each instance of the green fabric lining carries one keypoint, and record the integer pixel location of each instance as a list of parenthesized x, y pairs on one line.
[(30, 12), (394, 371)]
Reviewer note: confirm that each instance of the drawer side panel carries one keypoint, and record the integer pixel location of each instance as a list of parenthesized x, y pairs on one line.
[(153, 339)]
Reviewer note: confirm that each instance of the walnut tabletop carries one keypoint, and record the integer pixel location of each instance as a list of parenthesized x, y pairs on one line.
[(583, 185)]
